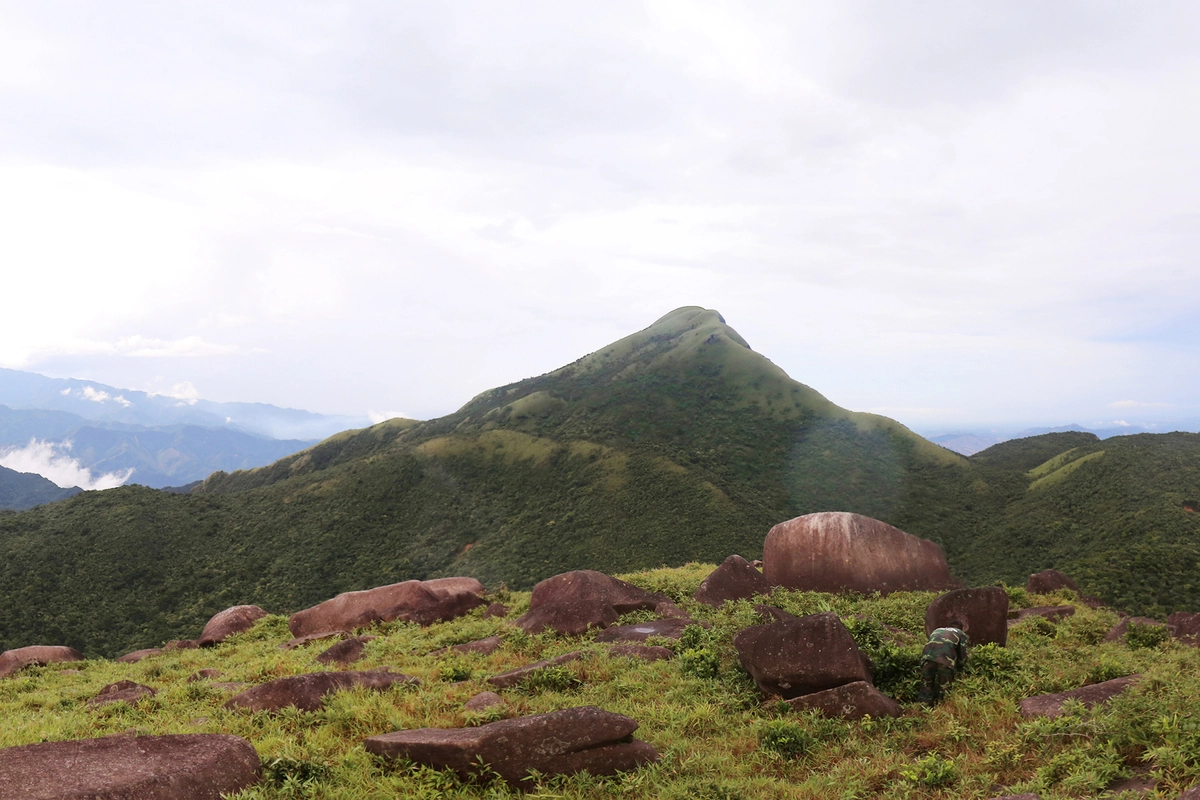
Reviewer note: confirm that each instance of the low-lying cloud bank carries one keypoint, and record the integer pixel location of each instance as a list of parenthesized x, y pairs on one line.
[(51, 461)]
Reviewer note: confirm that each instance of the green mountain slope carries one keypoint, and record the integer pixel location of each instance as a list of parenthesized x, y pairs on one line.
[(21, 490)]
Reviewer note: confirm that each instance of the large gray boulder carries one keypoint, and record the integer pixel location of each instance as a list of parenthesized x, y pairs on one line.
[(183, 767), (572, 602), (802, 655), (422, 602), (836, 551), (585, 739)]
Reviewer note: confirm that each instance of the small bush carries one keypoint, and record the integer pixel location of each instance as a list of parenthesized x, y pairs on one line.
[(992, 662), (1106, 670), (788, 739), (700, 663), (550, 679), (293, 773), (455, 672), (931, 771), (1140, 635)]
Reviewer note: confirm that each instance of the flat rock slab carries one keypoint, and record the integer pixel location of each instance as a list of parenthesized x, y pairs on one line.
[(507, 680), (13, 661), (422, 602), (669, 628), (121, 692), (345, 652), (851, 701), (572, 602), (983, 612), (307, 692), (1050, 705), (483, 701), (801, 655), (735, 579), (585, 739), (1117, 634), (138, 655), (187, 767), (643, 651), (228, 622), (483, 647)]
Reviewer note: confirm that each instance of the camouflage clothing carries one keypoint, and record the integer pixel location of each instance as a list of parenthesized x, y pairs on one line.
[(941, 661)]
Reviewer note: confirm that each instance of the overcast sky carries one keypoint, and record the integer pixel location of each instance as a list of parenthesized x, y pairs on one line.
[(951, 213)]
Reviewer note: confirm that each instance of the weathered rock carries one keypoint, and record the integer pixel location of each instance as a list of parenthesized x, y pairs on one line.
[(507, 680), (13, 661), (422, 602), (181, 644), (773, 614), (307, 692), (585, 739), (837, 551), (572, 602), (1050, 705), (138, 655), (230, 621), (801, 656), (667, 608), (121, 692), (187, 767), (983, 612), (1049, 580), (642, 651), (849, 701), (302, 641), (1191, 794), (1141, 785), (1026, 796), (483, 701), (735, 579), (1052, 613), (483, 647), (496, 610), (669, 628), (204, 675), (1118, 631), (1185, 626), (346, 651)]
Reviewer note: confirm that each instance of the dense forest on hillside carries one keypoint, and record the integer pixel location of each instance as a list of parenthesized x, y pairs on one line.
[(676, 444)]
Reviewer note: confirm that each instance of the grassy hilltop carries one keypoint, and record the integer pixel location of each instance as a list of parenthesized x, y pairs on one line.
[(719, 738), (678, 443)]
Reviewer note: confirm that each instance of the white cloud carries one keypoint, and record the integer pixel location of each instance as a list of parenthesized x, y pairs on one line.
[(51, 461), (101, 396), (377, 417)]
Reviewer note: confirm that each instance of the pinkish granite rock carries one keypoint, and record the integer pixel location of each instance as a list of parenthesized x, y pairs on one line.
[(188, 767), (572, 602), (585, 739), (1049, 580), (669, 628), (138, 655), (507, 680), (483, 647), (849, 701), (983, 612), (422, 602), (307, 692), (1118, 631), (1052, 613), (735, 579), (230, 621), (121, 692), (835, 551), (496, 610), (13, 661), (1050, 705), (483, 701), (801, 656), (641, 651), (346, 651)]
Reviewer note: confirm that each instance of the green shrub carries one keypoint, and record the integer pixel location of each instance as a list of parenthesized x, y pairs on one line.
[(786, 738), (293, 773), (699, 663), (1142, 635), (455, 671), (931, 771), (550, 679)]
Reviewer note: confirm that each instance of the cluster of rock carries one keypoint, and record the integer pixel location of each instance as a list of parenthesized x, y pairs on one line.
[(810, 662)]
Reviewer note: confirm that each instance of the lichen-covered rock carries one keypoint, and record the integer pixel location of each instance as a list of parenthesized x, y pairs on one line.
[(849, 701), (837, 552), (182, 767), (585, 739), (983, 611), (572, 602), (735, 579), (13, 661), (802, 655)]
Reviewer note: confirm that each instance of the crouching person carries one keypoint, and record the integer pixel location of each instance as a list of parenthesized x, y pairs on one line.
[(941, 661)]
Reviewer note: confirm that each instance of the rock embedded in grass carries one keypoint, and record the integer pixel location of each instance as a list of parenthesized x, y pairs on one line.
[(13, 661), (800, 656), (983, 612), (572, 602), (422, 602), (1050, 705), (498, 610), (507, 680), (1118, 631), (121, 692), (642, 651), (734, 579), (483, 701), (345, 652), (835, 551), (238, 619), (584, 739), (180, 767), (307, 692), (848, 701), (670, 628), (138, 655), (1052, 613), (483, 647), (1185, 626), (1049, 580)]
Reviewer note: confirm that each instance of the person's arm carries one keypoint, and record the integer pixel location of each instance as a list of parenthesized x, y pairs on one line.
[(963, 642)]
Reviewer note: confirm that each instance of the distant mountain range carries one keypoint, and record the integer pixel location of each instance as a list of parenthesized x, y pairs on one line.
[(969, 443)]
